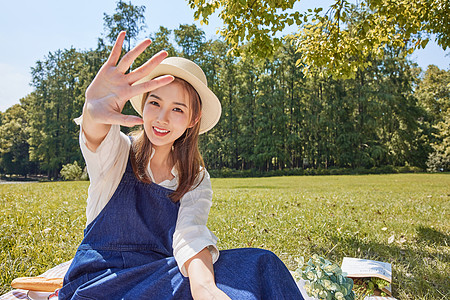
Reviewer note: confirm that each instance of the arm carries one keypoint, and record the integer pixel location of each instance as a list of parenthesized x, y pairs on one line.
[(112, 88), (191, 233), (201, 277), (194, 245)]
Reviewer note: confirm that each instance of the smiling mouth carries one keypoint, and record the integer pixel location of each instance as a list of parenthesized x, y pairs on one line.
[(159, 131)]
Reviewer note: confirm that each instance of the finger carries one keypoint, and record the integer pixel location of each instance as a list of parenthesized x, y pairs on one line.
[(146, 68), (124, 120), (117, 49), (129, 58), (151, 85)]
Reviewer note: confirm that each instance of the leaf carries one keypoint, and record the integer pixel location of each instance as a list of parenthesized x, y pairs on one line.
[(391, 239), (424, 43)]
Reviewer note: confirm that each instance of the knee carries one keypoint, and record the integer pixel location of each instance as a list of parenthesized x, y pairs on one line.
[(269, 260)]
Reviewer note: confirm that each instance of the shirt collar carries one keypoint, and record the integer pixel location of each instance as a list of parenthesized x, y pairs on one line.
[(174, 170)]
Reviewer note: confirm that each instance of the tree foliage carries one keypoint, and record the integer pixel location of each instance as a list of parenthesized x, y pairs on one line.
[(14, 133), (336, 41), (433, 93), (129, 18)]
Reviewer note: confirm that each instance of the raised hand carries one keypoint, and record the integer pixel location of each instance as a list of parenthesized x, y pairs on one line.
[(112, 88)]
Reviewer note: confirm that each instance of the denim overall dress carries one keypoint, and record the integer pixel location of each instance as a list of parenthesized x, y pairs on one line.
[(127, 253)]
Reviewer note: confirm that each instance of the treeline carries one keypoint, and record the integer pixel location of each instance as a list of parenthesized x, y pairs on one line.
[(274, 119)]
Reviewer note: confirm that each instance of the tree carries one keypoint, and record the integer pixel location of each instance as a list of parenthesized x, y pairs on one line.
[(59, 81), (433, 93), (191, 40), (331, 42), (127, 17), (399, 112), (14, 158), (212, 145), (160, 41)]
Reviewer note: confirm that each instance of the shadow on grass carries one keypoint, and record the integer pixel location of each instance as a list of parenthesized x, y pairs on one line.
[(432, 236), (414, 268)]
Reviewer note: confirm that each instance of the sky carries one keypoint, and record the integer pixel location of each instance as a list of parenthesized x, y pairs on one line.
[(30, 29)]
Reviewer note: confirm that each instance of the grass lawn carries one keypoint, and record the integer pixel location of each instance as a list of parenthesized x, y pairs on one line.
[(402, 219)]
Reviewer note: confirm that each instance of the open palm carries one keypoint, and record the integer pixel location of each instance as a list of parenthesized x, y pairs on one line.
[(112, 87)]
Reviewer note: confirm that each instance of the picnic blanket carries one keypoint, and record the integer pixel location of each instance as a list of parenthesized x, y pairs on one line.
[(60, 270), (57, 272)]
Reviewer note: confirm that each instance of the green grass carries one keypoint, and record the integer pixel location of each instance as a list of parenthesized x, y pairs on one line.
[(333, 216)]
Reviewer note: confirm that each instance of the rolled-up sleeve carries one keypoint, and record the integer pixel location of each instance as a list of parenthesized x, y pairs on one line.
[(191, 234)]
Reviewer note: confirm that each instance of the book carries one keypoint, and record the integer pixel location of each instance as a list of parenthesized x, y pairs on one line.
[(366, 268)]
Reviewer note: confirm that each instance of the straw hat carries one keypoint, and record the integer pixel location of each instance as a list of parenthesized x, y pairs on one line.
[(189, 71)]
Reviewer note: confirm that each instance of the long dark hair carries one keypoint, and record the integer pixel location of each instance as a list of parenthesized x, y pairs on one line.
[(185, 154)]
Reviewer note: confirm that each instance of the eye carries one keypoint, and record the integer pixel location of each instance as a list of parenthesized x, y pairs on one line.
[(152, 102), (177, 109)]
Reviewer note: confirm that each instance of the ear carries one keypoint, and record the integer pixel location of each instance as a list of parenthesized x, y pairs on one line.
[(194, 122)]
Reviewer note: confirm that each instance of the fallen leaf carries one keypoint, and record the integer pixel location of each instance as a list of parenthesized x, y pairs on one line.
[(391, 239)]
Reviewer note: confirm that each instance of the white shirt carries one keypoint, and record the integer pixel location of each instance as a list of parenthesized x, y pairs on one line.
[(107, 165)]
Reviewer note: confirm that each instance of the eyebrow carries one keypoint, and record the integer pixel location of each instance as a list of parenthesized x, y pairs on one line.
[(160, 99)]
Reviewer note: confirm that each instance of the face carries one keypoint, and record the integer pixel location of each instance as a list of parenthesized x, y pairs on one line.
[(166, 114)]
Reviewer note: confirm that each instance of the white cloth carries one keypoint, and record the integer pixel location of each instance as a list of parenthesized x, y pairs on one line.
[(107, 165)]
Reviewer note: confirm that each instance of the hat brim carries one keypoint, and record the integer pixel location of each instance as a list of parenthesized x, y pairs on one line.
[(211, 107)]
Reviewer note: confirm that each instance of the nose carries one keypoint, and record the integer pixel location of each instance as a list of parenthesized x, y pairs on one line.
[(163, 116)]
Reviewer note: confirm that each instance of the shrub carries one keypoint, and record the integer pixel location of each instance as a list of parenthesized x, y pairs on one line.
[(85, 175), (438, 162), (409, 169), (71, 171), (387, 169)]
